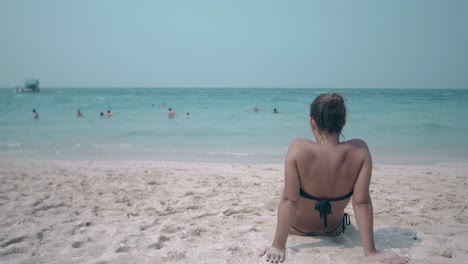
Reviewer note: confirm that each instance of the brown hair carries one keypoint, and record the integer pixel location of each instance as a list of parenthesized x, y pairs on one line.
[(329, 112)]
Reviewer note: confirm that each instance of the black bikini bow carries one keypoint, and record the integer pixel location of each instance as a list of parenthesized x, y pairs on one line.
[(324, 207)]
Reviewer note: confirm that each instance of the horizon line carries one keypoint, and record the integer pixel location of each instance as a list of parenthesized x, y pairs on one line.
[(232, 87)]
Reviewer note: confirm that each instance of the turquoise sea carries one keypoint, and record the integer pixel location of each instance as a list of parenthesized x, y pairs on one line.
[(399, 125)]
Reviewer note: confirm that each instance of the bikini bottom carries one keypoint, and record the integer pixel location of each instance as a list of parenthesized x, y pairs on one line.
[(341, 227)]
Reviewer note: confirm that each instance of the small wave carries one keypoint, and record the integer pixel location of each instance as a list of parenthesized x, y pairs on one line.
[(111, 146), (436, 126), (320, 92), (18, 152), (239, 154), (10, 145)]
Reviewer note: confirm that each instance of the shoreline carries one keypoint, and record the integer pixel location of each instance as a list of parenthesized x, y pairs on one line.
[(58, 211), (227, 158)]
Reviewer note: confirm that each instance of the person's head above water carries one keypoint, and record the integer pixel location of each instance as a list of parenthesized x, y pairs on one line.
[(328, 113)]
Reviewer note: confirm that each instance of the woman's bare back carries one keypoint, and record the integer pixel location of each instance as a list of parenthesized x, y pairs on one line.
[(325, 171)]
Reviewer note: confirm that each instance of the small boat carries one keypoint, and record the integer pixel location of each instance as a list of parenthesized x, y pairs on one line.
[(30, 86)]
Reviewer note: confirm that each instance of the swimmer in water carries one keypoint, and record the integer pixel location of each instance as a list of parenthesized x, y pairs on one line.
[(35, 114), (79, 114), (170, 113)]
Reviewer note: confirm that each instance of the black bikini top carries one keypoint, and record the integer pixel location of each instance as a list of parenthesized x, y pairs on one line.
[(323, 204)]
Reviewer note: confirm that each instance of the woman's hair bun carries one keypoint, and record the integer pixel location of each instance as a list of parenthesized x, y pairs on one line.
[(329, 112), (335, 100)]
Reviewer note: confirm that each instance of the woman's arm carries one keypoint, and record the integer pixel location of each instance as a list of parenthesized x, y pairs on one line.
[(363, 210), (287, 207), (362, 204), (289, 199)]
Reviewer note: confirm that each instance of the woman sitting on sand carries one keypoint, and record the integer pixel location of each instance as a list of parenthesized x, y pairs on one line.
[(320, 178)]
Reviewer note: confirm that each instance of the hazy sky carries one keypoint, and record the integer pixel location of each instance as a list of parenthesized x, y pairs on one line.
[(238, 43)]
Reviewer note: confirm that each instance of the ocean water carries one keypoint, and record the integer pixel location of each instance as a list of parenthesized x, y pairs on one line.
[(399, 125)]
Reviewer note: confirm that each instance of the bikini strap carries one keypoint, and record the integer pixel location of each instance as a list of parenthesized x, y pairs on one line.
[(311, 197), (346, 222), (344, 197)]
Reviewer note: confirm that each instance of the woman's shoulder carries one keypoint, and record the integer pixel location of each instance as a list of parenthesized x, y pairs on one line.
[(358, 147), (357, 143), (299, 145), (300, 142)]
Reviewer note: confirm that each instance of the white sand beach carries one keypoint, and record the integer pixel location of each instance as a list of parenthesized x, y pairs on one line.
[(181, 212)]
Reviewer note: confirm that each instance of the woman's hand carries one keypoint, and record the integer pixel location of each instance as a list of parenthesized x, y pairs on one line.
[(389, 257), (273, 254)]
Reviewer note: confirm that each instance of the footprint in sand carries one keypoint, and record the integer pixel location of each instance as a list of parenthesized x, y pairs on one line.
[(169, 229), (123, 247), (173, 256), (446, 253), (40, 235), (13, 241), (80, 242), (196, 231), (160, 243), (77, 244), (13, 250)]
